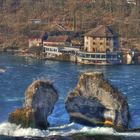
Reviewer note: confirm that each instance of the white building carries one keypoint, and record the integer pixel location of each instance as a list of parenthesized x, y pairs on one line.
[(54, 45), (131, 2)]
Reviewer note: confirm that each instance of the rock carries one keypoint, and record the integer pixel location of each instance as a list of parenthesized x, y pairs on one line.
[(23, 116), (57, 137), (53, 137), (73, 137), (40, 98), (95, 101)]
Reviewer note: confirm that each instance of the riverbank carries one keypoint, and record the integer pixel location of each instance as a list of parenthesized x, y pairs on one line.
[(42, 56), (70, 57)]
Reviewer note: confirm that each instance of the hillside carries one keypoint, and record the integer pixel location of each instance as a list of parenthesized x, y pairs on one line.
[(21, 18)]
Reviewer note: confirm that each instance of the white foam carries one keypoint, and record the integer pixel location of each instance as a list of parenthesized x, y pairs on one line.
[(15, 130), (14, 99), (2, 70)]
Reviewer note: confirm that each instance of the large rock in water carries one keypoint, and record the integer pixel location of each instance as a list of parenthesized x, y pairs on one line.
[(95, 102), (40, 98)]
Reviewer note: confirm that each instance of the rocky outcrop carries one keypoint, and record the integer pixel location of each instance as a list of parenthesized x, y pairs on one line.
[(95, 101), (74, 137), (53, 137), (40, 98)]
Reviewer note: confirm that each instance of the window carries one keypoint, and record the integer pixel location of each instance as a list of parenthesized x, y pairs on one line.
[(97, 56), (108, 56), (114, 56), (94, 43), (88, 55), (103, 56), (82, 55), (101, 43), (92, 56)]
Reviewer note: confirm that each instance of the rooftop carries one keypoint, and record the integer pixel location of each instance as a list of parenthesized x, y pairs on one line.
[(36, 36), (57, 38), (101, 31)]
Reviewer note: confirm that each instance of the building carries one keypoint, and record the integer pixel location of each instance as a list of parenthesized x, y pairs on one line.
[(59, 41), (131, 2), (34, 21), (35, 41), (100, 47), (55, 45), (101, 39)]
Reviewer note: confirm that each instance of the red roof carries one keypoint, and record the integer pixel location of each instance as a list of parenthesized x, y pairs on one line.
[(57, 38)]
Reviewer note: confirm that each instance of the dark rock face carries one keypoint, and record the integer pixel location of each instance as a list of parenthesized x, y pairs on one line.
[(57, 137), (74, 137), (95, 102), (40, 98)]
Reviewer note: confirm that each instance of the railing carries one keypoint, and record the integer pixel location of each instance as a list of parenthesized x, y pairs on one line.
[(98, 56)]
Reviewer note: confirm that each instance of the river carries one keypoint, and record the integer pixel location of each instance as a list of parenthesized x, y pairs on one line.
[(20, 72)]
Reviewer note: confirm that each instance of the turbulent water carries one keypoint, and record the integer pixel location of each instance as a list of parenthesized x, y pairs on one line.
[(16, 73)]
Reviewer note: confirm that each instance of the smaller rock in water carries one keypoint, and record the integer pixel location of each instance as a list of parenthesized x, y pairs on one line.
[(40, 98), (95, 101)]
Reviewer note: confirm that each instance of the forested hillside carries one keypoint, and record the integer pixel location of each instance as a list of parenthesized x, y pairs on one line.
[(17, 18)]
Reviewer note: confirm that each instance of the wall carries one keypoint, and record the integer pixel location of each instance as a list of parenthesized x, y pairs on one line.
[(98, 44)]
